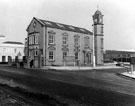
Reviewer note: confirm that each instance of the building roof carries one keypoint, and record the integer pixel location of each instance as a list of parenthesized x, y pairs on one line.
[(13, 42), (64, 26), (2, 36), (120, 51)]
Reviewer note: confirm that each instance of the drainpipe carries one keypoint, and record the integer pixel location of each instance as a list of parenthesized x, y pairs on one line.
[(93, 47), (44, 44)]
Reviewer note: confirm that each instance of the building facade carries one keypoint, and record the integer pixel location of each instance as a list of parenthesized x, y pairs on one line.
[(118, 56), (50, 43), (9, 50)]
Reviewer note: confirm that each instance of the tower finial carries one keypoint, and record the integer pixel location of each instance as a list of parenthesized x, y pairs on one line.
[(97, 6)]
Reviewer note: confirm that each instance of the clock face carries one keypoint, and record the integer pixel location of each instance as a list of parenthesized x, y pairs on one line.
[(100, 20)]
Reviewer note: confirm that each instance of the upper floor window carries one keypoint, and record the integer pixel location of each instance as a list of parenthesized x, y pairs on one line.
[(102, 43), (51, 37), (102, 29), (86, 40), (36, 38), (64, 38), (77, 40), (15, 50), (31, 39)]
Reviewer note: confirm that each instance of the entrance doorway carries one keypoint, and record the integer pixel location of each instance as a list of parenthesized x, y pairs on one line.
[(87, 58), (3, 58)]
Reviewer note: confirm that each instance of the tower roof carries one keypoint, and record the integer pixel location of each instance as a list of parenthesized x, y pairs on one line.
[(98, 12)]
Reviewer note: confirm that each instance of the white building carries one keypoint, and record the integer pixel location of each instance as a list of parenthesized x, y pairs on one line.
[(10, 49)]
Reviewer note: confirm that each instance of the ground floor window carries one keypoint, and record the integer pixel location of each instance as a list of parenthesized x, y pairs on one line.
[(3, 58), (64, 54), (51, 55), (76, 55), (36, 52)]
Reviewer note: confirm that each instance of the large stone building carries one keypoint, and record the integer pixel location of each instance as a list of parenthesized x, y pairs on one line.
[(10, 49), (51, 43)]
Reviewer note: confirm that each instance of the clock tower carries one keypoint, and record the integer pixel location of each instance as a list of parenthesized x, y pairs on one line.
[(98, 37)]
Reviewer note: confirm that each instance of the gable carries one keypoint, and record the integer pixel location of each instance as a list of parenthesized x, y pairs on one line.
[(33, 23)]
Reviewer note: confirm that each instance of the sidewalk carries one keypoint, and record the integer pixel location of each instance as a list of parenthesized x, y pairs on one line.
[(77, 68), (129, 74)]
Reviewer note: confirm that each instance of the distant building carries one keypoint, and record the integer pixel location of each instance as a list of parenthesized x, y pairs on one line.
[(51, 43), (119, 56), (10, 49)]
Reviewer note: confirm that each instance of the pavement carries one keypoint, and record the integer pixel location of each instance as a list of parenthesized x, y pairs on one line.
[(129, 74), (77, 68)]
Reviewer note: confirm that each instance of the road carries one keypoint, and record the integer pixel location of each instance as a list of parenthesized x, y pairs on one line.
[(94, 88)]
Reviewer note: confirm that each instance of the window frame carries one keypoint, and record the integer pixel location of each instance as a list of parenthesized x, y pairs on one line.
[(86, 41), (77, 55), (64, 54), (77, 40), (36, 38), (51, 37), (51, 51), (65, 40)]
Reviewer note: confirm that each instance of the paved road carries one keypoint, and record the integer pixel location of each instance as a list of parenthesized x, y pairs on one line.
[(89, 87)]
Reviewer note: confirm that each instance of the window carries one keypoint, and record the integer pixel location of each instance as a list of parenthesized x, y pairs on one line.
[(36, 39), (71, 27), (51, 38), (64, 54), (82, 30), (86, 41), (33, 39), (102, 43), (60, 25), (65, 39), (29, 40), (36, 52), (102, 31), (29, 53), (48, 23), (51, 55), (4, 49), (15, 50), (76, 55), (76, 40)]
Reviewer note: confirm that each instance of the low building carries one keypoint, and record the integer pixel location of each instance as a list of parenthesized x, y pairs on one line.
[(9, 50), (118, 56)]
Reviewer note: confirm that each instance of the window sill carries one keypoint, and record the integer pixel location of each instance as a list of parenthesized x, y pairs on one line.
[(51, 44), (65, 45), (50, 60)]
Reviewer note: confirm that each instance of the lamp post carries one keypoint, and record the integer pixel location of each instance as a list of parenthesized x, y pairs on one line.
[(93, 47)]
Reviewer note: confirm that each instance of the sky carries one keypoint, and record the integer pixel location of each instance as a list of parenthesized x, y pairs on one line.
[(119, 18)]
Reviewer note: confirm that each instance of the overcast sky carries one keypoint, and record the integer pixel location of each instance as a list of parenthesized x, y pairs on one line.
[(119, 18)]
